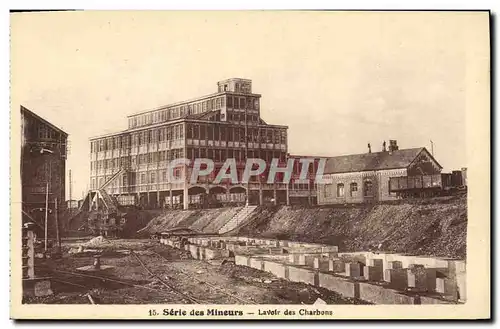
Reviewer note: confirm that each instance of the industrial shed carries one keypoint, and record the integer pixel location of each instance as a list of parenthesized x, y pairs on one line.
[(364, 178)]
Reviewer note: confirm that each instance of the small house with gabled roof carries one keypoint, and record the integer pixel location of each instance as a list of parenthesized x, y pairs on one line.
[(364, 178)]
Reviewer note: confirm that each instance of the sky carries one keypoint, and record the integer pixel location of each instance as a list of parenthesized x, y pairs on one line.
[(339, 80)]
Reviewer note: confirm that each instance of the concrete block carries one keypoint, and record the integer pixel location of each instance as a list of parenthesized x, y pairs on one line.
[(257, 264), (273, 243), (432, 275), (321, 264), (373, 273), (307, 260), (212, 254), (37, 287), (331, 254), (278, 269), (242, 260), (462, 287), (397, 278), (300, 274), (340, 285), (353, 269), (194, 250), (390, 265), (299, 259), (425, 300), (382, 295), (376, 263), (201, 253), (447, 287), (457, 266), (332, 249), (417, 277), (336, 265)]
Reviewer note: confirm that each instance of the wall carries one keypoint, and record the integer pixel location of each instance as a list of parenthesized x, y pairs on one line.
[(327, 193)]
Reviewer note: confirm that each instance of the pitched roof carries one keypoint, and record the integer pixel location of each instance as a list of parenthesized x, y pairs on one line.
[(372, 161), (25, 110)]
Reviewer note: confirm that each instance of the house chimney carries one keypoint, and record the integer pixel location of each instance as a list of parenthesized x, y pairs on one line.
[(383, 147), (393, 145), (369, 148)]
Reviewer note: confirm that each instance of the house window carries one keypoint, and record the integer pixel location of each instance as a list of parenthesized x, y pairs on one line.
[(326, 191), (368, 188), (152, 178), (354, 189), (340, 190)]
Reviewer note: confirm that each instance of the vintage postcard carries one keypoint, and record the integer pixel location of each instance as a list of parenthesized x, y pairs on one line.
[(250, 165)]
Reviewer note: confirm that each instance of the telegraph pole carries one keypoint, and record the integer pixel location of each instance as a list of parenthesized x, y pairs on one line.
[(70, 199), (57, 224), (246, 151), (47, 206)]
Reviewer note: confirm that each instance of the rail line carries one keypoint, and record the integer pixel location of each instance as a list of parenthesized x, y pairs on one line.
[(194, 300), (163, 292), (220, 289)]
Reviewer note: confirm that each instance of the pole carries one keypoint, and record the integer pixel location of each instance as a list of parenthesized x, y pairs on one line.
[(46, 213), (57, 223), (246, 152), (70, 199), (432, 147), (47, 206)]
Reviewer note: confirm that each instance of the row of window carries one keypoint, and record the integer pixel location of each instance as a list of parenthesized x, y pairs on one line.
[(220, 155), (224, 133), (142, 178), (217, 155), (173, 132), (194, 131), (238, 87), (180, 111), (140, 159), (240, 117), (46, 132), (353, 189)]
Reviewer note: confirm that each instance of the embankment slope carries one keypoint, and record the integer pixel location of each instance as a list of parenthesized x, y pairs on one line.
[(435, 227)]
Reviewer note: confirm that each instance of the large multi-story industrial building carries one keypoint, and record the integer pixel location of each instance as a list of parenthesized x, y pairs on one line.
[(43, 167), (132, 164)]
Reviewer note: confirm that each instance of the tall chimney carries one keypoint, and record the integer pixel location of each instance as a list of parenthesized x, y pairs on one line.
[(383, 147), (369, 148)]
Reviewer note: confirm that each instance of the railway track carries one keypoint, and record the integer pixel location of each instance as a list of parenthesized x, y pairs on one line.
[(67, 281), (67, 277), (214, 287), (190, 298)]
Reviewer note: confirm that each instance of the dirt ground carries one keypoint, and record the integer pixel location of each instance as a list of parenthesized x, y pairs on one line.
[(185, 280)]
